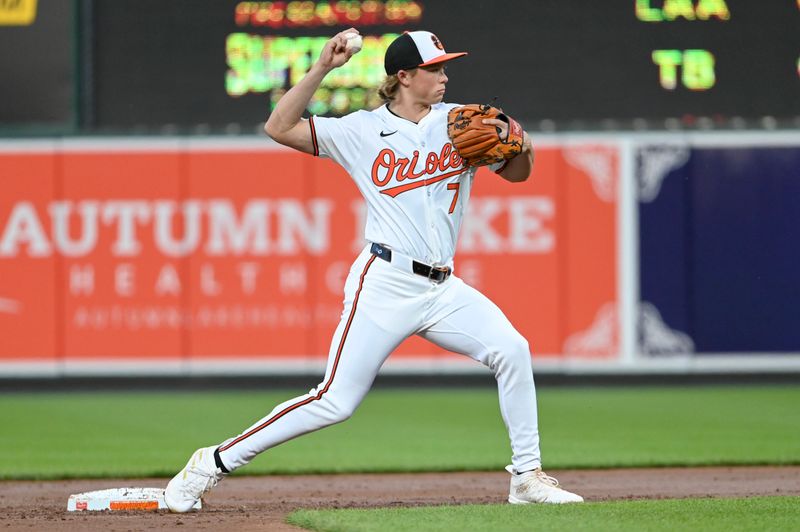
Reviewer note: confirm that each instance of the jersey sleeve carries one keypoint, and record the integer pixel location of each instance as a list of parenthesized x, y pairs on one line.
[(338, 138)]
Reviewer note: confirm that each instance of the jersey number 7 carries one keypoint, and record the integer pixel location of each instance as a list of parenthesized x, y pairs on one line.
[(453, 186)]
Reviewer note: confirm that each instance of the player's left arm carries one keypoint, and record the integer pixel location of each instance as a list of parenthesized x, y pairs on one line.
[(519, 168)]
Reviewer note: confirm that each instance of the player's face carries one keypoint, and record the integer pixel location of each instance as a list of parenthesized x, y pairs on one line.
[(428, 84)]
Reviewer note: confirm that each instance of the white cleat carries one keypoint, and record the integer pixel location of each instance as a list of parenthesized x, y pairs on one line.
[(537, 487), (187, 487)]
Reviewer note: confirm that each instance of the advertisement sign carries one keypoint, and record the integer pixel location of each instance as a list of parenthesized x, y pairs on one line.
[(190, 252)]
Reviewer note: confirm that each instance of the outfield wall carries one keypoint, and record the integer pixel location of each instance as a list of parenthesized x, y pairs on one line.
[(227, 256)]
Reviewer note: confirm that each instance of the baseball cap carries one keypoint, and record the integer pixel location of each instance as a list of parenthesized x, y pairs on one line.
[(415, 49)]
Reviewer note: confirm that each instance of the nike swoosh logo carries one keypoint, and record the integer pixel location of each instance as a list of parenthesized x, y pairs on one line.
[(387, 134)]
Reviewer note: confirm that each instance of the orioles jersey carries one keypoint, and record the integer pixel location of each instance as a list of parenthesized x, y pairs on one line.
[(415, 185)]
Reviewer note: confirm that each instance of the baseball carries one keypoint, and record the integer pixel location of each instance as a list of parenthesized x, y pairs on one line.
[(354, 42)]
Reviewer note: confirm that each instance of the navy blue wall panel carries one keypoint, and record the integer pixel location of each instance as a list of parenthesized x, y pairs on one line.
[(664, 230), (720, 249)]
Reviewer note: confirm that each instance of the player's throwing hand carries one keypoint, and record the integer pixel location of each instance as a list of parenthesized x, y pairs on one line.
[(336, 53)]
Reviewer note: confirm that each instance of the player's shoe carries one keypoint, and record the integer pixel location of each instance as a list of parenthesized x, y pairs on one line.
[(187, 487), (537, 487)]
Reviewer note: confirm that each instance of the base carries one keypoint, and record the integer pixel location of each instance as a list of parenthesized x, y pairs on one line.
[(120, 499)]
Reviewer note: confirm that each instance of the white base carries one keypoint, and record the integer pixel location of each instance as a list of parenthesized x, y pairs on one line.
[(120, 499)]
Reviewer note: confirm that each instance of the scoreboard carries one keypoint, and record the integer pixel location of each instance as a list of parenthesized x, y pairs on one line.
[(38, 72), (573, 64)]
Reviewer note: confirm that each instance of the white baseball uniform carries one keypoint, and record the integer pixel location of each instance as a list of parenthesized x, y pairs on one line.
[(416, 190)]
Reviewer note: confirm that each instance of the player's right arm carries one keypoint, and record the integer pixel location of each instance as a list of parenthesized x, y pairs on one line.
[(286, 125)]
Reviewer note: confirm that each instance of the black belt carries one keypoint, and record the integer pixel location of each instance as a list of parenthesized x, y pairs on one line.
[(437, 274)]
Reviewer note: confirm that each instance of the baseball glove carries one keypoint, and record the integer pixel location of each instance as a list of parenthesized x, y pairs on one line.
[(480, 144)]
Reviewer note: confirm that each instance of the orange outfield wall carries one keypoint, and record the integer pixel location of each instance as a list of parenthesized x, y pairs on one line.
[(121, 252)]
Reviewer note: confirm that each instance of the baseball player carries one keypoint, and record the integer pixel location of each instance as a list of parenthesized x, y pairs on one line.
[(416, 187)]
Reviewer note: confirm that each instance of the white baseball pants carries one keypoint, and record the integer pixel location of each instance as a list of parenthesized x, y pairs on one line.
[(384, 305)]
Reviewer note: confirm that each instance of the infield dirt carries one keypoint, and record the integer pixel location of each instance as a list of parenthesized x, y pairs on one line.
[(262, 503)]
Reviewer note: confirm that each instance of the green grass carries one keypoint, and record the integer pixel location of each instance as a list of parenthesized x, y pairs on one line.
[(757, 514), (143, 434)]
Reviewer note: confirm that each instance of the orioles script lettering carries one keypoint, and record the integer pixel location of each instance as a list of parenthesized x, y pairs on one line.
[(387, 165)]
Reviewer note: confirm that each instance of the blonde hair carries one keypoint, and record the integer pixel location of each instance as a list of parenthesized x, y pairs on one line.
[(388, 89)]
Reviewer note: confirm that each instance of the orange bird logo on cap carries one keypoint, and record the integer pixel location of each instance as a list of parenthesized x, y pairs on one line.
[(438, 44)]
